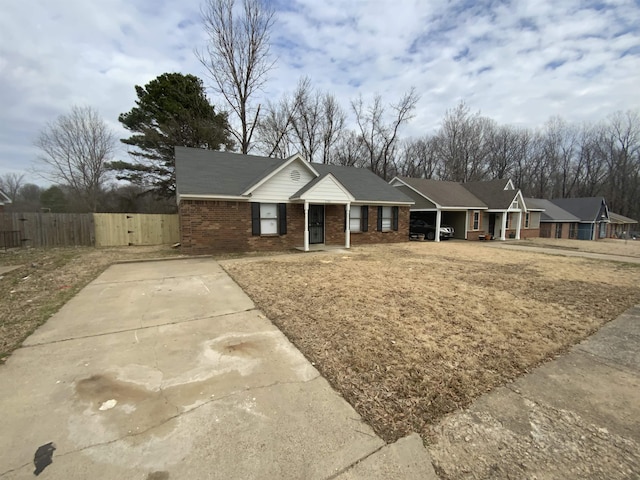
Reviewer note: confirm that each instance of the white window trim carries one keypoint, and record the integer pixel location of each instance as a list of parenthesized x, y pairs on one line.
[(265, 218), (473, 221), (355, 213), (389, 218)]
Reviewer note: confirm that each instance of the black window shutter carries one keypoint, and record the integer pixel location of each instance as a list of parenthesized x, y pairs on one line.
[(364, 218), (255, 219), (379, 219), (282, 218), (395, 218)]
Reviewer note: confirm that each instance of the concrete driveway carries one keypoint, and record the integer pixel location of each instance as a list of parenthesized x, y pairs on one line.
[(165, 370)]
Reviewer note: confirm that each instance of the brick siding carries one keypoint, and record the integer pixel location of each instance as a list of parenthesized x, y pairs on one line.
[(221, 226)]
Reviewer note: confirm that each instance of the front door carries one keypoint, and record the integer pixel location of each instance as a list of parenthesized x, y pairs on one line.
[(492, 224), (316, 224)]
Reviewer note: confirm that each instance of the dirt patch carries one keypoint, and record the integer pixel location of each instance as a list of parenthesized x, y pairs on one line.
[(409, 333), (45, 279)]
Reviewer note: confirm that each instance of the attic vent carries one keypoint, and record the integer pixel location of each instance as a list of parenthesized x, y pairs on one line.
[(295, 175)]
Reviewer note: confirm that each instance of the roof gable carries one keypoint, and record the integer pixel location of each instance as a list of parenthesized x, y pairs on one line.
[(4, 198), (364, 185), (283, 182), (495, 193), (297, 158), (587, 209), (326, 189)]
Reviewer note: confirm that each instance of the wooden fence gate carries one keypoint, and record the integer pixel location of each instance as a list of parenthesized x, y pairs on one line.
[(119, 229)]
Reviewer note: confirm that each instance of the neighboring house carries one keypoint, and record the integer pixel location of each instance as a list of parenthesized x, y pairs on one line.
[(620, 226), (554, 221), (4, 200), (231, 202), (473, 209), (592, 213)]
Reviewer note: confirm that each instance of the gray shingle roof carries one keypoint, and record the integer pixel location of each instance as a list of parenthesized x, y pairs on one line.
[(445, 194), (209, 172), (552, 212), (617, 218), (586, 209), (492, 193)]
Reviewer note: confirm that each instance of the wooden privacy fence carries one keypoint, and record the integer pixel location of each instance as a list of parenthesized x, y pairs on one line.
[(118, 229), (41, 230)]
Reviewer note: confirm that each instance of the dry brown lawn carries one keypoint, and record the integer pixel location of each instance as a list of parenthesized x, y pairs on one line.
[(410, 332), (46, 279)]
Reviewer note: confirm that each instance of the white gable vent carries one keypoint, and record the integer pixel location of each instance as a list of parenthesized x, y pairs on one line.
[(295, 175)]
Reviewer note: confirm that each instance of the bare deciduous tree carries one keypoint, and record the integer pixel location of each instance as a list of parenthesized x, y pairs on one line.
[(10, 184), (237, 57), (309, 122), (380, 136), (418, 158), (76, 148)]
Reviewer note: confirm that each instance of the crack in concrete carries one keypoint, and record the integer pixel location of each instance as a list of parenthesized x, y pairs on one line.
[(352, 465), (124, 282), (161, 387), (178, 322)]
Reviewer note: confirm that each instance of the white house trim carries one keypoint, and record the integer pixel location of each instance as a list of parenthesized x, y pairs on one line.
[(310, 195), (289, 161), (211, 197)]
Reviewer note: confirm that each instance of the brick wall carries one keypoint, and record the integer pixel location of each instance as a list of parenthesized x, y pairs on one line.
[(221, 226)]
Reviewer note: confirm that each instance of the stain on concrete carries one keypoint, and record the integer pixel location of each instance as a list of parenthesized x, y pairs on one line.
[(242, 348), (43, 457), (158, 476)]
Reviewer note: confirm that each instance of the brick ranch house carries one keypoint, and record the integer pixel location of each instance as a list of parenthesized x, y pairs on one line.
[(228, 202), (489, 209), (582, 218)]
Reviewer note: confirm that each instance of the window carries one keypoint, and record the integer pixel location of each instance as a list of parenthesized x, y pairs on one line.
[(573, 231), (476, 220), (558, 230), (268, 218), (355, 219), (526, 220), (388, 219)]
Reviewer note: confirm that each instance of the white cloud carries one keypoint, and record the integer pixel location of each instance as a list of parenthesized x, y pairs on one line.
[(518, 62)]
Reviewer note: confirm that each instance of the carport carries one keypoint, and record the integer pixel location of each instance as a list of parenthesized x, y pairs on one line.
[(440, 203)]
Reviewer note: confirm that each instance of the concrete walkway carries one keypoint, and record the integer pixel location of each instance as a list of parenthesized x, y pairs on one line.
[(575, 417), (562, 252), (165, 370)]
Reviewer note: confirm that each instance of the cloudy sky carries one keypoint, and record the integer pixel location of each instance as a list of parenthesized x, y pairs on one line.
[(517, 61)]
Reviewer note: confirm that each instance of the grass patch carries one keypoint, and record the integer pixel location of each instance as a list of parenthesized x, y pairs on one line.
[(408, 333), (46, 279)]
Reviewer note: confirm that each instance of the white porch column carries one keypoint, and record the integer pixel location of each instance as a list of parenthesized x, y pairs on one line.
[(519, 225), (503, 230), (347, 233), (438, 220), (467, 213), (306, 226)]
